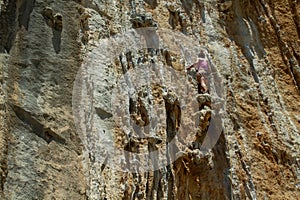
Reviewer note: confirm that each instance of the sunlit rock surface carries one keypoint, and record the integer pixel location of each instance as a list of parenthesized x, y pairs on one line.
[(57, 82)]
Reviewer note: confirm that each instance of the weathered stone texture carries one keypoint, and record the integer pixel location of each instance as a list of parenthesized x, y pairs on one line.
[(254, 48)]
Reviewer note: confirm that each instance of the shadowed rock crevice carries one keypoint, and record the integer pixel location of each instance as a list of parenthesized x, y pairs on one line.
[(153, 3), (14, 14), (103, 114), (167, 57), (173, 112), (142, 20), (37, 127), (24, 12), (187, 5), (56, 31), (54, 21), (178, 18), (173, 120), (8, 26)]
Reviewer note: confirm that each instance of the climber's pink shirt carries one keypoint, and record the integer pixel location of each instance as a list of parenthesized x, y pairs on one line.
[(202, 65)]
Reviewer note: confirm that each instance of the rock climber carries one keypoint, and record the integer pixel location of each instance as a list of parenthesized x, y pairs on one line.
[(202, 68)]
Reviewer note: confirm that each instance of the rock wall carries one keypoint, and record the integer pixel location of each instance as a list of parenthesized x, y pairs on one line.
[(46, 152)]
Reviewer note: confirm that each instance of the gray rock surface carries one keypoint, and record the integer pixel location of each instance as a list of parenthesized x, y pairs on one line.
[(58, 79)]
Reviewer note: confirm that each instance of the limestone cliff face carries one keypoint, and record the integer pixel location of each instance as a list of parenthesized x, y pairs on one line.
[(48, 152)]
